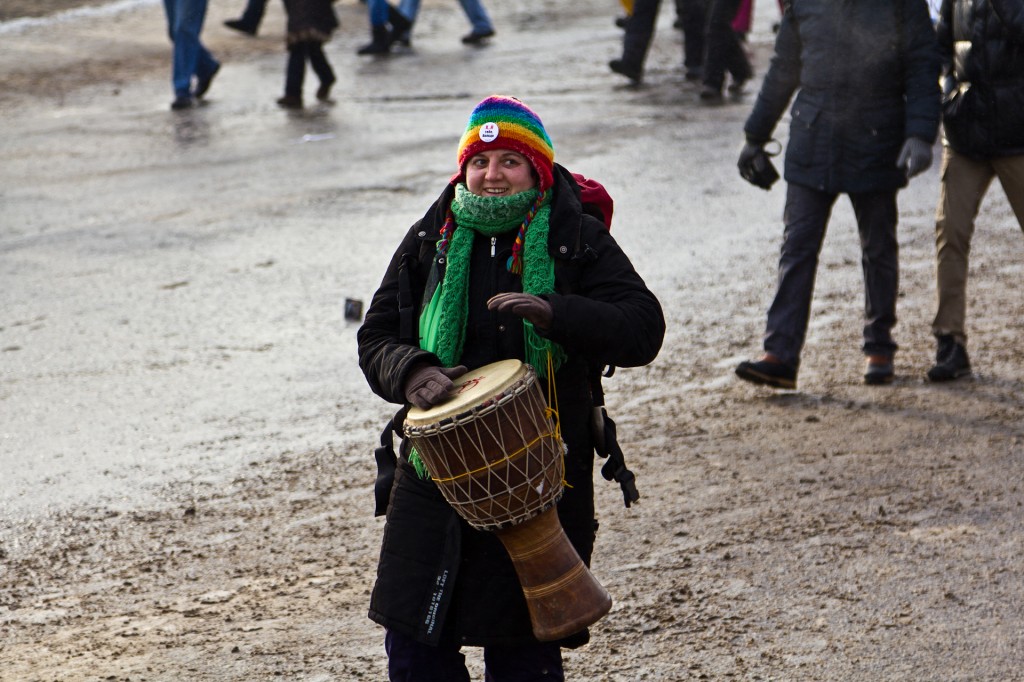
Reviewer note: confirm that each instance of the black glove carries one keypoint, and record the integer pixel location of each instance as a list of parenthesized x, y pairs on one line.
[(756, 166), (428, 385), (527, 306), (915, 157)]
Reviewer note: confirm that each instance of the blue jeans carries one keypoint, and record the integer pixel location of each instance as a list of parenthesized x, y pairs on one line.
[(184, 24), (378, 11), (806, 217), (474, 10), (412, 661)]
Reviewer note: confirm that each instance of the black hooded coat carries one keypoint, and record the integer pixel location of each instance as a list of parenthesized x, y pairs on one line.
[(438, 579)]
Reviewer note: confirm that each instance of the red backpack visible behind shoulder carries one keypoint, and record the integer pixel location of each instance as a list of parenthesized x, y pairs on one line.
[(596, 200)]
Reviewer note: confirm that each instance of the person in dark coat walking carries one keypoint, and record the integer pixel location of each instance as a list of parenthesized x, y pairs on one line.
[(864, 120), (639, 32), (310, 25), (982, 44), (545, 278), (723, 53)]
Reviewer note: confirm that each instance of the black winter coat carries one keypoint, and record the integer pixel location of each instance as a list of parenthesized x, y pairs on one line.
[(867, 73), (982, 43), (438, 579), (310, 20)]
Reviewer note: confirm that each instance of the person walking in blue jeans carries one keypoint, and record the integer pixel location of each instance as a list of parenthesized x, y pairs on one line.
[(480, 22), (386, 23), (191, 59)]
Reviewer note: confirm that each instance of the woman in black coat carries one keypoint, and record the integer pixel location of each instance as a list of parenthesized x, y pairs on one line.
[(542, 274), (310, 25)]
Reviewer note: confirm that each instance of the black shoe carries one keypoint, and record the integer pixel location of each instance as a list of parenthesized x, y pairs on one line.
[(182, 102), (290, 102), (633, 73), (768, 373), (477, 37), (323, 93), (403, 38), (711, 95), (695, 73), (736, 87), (237, 25), (203, 84), (622, 21), (951, 361), (381, 43), (879, 370)]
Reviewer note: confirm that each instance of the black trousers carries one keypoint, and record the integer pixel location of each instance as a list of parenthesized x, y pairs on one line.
[(723, 49), (692, 19), (298, 54), (806, 217), (412, 661), (639, 32)]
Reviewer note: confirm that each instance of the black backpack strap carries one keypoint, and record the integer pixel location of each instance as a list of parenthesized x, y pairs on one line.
[(607, 445), (387, 462), (615, 468)]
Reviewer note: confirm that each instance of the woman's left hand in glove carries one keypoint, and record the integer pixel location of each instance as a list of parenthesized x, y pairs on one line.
[(532, 308)]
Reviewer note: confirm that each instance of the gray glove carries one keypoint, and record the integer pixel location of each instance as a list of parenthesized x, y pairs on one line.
[(527, 306), (428, 385), (915, 157)]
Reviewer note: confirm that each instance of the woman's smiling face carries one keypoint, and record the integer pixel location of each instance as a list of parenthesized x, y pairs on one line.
[(499, 173)]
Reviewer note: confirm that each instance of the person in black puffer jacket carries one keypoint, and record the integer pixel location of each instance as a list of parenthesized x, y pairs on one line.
[(864, 120), (982, 43), (544, 277)]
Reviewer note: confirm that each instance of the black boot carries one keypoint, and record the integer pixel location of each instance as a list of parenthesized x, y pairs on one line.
[(381, 43), (633, 73), (951, 361), (399, 24)]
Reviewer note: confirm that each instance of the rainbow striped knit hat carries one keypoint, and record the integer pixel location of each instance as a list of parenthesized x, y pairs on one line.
[(500, 122)]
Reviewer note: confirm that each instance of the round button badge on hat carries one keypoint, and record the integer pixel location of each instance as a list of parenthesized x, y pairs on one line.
[(489, 132)]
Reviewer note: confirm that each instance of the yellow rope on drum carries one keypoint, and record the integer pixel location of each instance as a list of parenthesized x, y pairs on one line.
[(552, 413), (506, 458)]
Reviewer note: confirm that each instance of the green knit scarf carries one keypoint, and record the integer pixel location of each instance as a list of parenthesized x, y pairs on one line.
[(443, 320)]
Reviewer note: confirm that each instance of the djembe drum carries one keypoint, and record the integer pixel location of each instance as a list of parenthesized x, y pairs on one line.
[(493, 452)]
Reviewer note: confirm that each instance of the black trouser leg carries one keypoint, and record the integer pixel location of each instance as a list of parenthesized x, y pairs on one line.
[(723, 51), (639, 32), (321, 67), (296, 71), (877, 217), (693, 16)]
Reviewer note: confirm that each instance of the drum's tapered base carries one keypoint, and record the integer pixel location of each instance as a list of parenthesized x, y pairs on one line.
[(562, 594)]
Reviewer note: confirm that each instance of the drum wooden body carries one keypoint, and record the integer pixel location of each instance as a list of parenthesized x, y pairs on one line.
[(494, 454)]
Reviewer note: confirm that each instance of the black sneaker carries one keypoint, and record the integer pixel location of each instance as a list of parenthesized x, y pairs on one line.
[(203, 84), (709, 94), (290, 102), (477, 37), (951, 361), (240, 26), (631, 72), (768, 373), (879, 370), (182, 102)]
